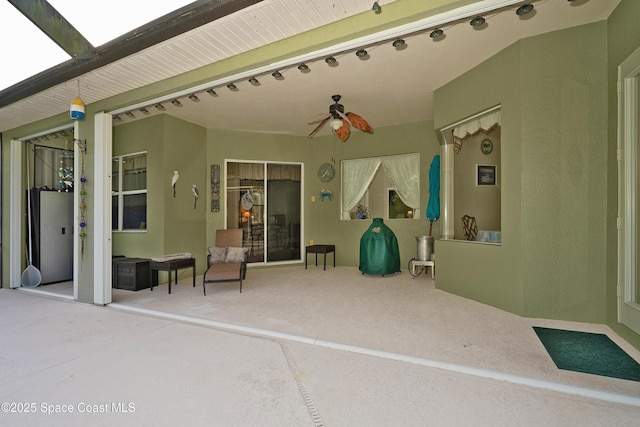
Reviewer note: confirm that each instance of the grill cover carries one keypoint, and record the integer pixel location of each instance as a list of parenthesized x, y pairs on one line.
[(379, 252)]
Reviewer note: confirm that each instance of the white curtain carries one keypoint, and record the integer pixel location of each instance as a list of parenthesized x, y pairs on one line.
[(404, 174), (356, 177), (471, 127)]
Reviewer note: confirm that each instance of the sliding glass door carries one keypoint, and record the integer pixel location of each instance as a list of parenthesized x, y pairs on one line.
[(264, 200)]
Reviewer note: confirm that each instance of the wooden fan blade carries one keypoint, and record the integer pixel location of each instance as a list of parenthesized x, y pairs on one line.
[(318, 118), (322, 123), (359, 123), (344, 131)]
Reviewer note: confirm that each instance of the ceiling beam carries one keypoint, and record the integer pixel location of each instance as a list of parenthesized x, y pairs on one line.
[(173, 24), (56, 27)]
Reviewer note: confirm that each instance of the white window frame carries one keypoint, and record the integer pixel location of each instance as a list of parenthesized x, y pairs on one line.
[(120, 193)]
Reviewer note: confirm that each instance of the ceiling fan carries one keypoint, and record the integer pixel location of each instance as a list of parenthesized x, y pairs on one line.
[(340, 122)]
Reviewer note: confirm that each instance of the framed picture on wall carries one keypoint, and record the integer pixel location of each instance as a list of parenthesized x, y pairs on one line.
[(485, 175)]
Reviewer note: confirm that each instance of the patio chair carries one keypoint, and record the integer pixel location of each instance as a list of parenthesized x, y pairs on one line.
[(469, 227), (227, 260)]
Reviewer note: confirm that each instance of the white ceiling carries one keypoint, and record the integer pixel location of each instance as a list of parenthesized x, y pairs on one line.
[(390, 87)]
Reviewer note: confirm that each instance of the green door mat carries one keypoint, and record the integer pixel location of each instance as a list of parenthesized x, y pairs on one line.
[(589, 353)]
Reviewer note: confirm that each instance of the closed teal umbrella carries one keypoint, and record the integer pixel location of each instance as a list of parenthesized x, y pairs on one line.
[(433, 207)]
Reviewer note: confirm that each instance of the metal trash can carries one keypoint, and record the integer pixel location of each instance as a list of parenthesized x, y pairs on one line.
[(425, 248)]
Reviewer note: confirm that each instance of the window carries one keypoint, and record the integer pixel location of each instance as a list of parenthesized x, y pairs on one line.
[(129, 192), (472, 185), (381, 187)]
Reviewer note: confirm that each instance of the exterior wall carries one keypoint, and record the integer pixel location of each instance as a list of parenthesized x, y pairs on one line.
[(623, 38)]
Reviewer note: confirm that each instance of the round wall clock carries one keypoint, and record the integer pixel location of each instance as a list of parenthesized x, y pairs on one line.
[(326, 172), (486, 146)]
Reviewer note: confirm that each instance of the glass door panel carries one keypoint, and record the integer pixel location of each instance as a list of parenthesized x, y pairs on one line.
[(264, 200), (283, 212)]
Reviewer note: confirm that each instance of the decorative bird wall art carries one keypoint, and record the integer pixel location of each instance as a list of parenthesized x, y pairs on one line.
[(340, 122), (194, 190), (174, 180)]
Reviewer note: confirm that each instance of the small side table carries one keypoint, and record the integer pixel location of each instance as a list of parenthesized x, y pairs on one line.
[(169, 266), (320, 249)]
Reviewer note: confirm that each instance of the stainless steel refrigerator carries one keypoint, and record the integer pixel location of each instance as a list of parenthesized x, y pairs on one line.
[(52, 234)]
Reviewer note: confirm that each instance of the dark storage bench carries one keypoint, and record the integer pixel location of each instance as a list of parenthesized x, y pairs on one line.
[(131, 274)]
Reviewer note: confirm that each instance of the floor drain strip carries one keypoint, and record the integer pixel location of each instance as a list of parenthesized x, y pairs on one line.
[(311, 407)]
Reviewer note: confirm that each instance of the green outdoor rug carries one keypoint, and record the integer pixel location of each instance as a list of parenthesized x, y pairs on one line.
[(589, 353)]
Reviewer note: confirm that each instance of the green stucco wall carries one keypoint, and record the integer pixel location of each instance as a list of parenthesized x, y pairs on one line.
[(173, 225), (554, 172), (321, 222)]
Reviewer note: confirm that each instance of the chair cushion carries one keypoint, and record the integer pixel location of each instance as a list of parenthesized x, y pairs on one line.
[(235, 254), (223, 271), (217, 254)]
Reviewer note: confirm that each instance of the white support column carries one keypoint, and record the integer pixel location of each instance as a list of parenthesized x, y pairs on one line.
[(16, 237), (446, 190), (101, 225)]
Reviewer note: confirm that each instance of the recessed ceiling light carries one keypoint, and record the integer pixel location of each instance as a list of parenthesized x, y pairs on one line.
[(437, 33), (524, 9), (477, 21)]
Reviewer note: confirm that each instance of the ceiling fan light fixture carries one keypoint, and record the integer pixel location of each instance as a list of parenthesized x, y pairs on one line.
[(436, 33), (304, 68), (336, 124), (524, 9), (477, 21)]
